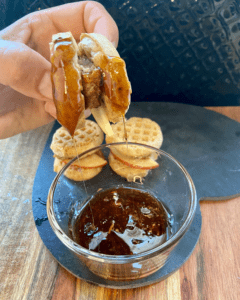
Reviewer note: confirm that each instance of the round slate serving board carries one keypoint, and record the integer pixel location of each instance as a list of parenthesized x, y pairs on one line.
[(205, 142)]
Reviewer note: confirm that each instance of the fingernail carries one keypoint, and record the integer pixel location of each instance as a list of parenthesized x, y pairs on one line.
[(45, 86)]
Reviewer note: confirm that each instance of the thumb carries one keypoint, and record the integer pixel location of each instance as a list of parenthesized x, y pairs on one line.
[(25, 70), (98, 20)]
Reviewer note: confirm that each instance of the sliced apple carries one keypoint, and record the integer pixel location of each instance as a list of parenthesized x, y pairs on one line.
[(131, 174), (92, 161), (101, 118), (137, 163)]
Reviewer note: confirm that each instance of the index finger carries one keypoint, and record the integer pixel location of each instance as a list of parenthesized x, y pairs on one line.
[(85, 16)]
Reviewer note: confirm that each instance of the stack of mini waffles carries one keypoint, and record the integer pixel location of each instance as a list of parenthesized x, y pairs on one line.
[(132, 161), (129, 161), (66, 148)]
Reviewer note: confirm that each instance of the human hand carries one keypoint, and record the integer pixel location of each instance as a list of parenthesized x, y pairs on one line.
[(25, 79)]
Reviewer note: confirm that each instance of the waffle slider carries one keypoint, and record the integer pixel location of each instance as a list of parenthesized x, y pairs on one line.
[(132, 161), (88, 75), (66, 147)]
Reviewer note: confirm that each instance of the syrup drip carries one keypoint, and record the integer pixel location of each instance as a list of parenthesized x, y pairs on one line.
[(116, 84), (125, 131), (75, 146), (124, 128), (66, 85)]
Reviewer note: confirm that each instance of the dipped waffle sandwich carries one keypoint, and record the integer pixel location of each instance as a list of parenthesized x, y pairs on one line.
[(91, 75), (131, 161), (66, 147)]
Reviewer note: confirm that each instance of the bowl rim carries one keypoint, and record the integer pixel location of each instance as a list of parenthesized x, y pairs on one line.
[(121, 259)]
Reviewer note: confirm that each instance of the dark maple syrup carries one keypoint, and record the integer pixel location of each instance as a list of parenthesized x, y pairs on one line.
[(67, 95), (116, 84), (126, 221)]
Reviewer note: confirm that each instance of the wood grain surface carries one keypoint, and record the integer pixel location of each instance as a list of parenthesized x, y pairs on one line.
[(28, 270)]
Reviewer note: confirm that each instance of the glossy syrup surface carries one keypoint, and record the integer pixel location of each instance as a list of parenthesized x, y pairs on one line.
[(116, 84), (66, 85), (121, 221)]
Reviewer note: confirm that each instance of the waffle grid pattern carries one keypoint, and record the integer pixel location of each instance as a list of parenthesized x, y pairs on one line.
[(139, 130), (82, 136)]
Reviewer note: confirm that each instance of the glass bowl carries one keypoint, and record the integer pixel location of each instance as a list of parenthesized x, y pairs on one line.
[(169, 183)]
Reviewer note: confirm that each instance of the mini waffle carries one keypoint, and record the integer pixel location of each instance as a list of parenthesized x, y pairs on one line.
[(146, 163), (88, 162), (74, 174), (63, 145), (139, 130), (131, 174)]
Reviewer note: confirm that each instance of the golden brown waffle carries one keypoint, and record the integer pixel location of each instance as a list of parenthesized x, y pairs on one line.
[(88, 162), (139, 130), (63, 145), (146, 163), (131, 174), (69, 102), (79, 174)]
